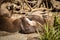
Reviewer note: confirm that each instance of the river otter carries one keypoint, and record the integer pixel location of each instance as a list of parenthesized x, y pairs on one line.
[(6, 22)]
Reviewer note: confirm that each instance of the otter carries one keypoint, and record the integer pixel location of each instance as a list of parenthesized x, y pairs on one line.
[(6, 22), (23, 24)]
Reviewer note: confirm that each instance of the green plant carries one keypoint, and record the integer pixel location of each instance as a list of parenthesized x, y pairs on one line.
[(56, 22), (50, 34)]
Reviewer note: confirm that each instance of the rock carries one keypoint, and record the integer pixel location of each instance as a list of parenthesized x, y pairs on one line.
[(18, 36)]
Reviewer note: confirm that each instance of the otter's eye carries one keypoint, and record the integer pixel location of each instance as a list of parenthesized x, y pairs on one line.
[(10, 7)]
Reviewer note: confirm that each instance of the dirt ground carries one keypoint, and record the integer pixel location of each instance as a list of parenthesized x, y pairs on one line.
[(16, 36)]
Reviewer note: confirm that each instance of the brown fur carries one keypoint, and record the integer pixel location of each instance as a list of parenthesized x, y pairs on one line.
[(7, 25), (25, 26), (36, 18)]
